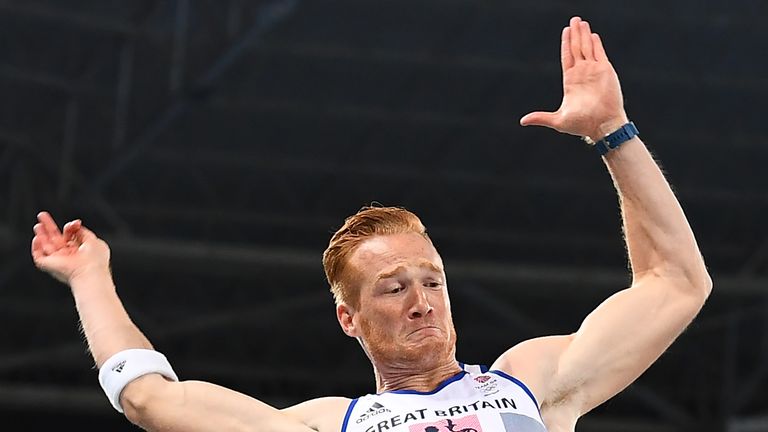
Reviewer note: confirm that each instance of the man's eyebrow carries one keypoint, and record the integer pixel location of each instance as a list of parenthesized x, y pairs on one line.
[(398, 269), (432, 266), (390, 273)]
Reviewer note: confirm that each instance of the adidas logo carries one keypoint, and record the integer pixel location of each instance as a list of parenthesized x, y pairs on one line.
[(118, 367), (375, 409)]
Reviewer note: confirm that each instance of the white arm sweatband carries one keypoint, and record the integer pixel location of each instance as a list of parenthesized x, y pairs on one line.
[(125, 366)]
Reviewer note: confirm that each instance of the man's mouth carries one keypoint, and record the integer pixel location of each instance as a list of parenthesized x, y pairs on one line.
[(427, 329)]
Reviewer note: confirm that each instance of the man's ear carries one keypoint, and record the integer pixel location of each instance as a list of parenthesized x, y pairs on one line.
[(345, 314)]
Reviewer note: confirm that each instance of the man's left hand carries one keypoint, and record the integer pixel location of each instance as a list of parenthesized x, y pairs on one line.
[(592, 105)]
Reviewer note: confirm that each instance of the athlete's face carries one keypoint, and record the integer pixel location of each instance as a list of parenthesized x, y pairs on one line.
[(403, 316)]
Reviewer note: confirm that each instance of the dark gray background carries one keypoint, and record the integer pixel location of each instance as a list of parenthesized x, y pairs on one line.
[(216, 145)]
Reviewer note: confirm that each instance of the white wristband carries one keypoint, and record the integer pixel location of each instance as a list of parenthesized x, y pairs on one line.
[(126, 366)]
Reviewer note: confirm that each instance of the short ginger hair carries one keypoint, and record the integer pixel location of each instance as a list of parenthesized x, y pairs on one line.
[(369, 222)]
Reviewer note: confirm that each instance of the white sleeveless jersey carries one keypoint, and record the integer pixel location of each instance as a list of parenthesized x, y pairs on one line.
[(474, 400)]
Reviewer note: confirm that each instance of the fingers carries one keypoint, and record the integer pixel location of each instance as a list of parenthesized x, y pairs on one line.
[(40, 232), (71, 230), (41, 240), (50, 227), (37, 249), (575, 36), (48, 223), (566, 57), (48, 240), (584, 45), (597, 43), (586, 41)]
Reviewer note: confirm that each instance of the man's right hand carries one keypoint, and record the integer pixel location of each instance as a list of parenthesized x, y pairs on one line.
[(69, 254)]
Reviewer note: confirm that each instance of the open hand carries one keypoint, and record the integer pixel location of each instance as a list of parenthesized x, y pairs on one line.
[(69, 253), (592, 104)]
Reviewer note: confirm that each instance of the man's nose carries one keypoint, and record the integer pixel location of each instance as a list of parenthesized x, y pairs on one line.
[(420, 306)]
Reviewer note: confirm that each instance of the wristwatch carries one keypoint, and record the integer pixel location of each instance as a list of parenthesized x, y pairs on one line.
[(614, 139)]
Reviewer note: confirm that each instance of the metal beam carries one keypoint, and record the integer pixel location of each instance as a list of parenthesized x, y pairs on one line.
[(244, 258), (507, 313), (748, 424), (383, 114), (320, 223), (123, 92), (361, 112), (56, 398), (66, 161), (730, 365), (503, 64), (10, 268), (45, 79), (750, 386), (234, 17), (756, 260), (15, 139), (310, 376), (67, 17), (33, 150), (270, 16), (32, 308), (262, 313), (651, 398), (179, 51), (6, 236), (473, 177)]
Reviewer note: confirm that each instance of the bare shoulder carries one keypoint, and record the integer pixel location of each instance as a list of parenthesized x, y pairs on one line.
[(534, 362), (324, 414)]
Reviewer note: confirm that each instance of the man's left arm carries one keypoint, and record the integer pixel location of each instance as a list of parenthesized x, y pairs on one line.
[(620, 339)]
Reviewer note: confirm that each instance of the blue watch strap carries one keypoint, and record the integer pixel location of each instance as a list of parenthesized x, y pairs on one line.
[(615, 139)]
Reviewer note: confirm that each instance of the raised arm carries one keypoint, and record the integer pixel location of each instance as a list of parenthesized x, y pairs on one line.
[(620, 339), (80, 259)]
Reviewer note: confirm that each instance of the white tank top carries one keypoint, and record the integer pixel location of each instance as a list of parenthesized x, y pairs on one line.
[(474, 400)]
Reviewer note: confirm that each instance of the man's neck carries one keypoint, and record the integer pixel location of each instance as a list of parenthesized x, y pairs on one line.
[(408, 378)]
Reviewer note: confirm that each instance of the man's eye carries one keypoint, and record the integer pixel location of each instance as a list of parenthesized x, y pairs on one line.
[(396, 289), (433, 284)]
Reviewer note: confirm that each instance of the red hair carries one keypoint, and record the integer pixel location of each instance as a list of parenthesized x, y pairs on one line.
[(367, 223)]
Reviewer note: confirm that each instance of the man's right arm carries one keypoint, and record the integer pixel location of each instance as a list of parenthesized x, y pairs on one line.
[(155, 404), (80, 259)]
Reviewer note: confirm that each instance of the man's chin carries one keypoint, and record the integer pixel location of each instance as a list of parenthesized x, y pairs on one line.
[(423, 349), (426, 350)]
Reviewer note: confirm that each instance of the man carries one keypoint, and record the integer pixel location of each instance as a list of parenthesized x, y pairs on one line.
[(390, 289)]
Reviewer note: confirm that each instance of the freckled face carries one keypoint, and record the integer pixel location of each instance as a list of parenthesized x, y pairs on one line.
[(404, 315)]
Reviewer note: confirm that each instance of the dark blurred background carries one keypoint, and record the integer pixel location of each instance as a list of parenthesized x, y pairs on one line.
[(216, 145)]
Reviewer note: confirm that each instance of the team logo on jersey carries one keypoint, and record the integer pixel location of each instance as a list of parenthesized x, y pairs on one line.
[(374, 410), (465, 424), (487, 385)]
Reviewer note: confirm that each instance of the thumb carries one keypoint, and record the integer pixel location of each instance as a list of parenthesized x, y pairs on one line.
[(540, 118), (84, 235)]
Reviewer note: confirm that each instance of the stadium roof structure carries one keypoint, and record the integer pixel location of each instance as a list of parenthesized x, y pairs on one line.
[(216, 146)]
